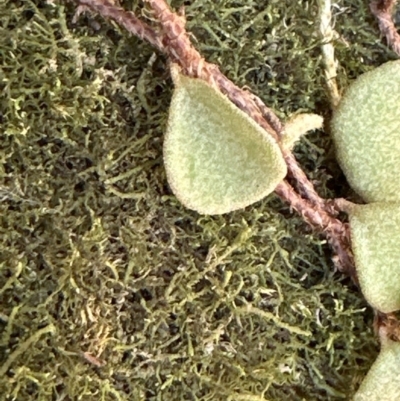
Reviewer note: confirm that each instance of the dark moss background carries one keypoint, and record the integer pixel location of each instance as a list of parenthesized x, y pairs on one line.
[(99, 260)]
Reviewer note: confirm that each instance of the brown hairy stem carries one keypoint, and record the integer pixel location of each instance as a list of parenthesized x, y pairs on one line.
[(337, 232), (127, 19), (382, 9), (269, 115), (304, 185)]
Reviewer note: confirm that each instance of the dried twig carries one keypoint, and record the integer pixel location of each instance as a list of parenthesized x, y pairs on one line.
[(382, 9)]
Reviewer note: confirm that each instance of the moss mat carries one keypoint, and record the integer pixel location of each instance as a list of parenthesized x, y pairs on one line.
[(109, 288)]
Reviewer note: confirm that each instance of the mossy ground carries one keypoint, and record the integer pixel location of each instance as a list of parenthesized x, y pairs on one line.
[(109, 288)]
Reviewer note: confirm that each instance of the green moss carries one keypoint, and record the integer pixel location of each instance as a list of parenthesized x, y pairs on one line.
[(92, 242)]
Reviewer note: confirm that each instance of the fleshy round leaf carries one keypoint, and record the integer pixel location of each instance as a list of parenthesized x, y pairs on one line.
[(366, 130), (375, 235), (382, 382), (217, 159)]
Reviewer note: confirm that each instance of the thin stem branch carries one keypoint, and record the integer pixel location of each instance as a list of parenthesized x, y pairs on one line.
[(126, 19), (305, 187), (337, 233)]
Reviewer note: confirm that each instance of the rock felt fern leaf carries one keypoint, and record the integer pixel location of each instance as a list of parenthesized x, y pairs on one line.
[(375, 235), (366, 130), (217, 159)]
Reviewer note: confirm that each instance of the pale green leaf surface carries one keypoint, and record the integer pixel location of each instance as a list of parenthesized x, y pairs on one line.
[(382, 382), (217, 159), (375, 234), (366, 129)]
